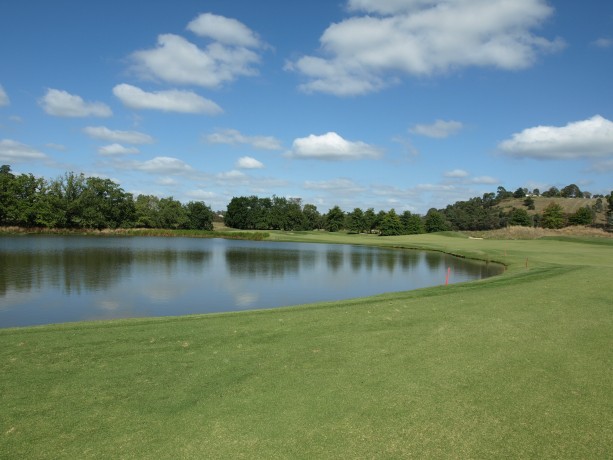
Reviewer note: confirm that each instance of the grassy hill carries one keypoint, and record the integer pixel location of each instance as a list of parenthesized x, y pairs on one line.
[(569, 205)]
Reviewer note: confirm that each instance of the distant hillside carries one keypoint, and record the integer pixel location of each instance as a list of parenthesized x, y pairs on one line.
[(569, 205)]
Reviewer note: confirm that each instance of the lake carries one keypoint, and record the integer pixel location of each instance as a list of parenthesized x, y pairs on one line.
[(53, 279)]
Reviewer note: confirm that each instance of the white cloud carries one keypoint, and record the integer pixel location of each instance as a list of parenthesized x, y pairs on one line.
[(117, 149), (201, 195), (456, 173), (16, 119), (15, 152), (4, 99), (106, 134), (338, 186), (439, 129), (249, 163), (485, 180), (331, 146), (592, 138), (167, 181), (176, 60), (161, 165), (362, 54), (603, 43), (232, 175), (224, 30), (63, 104), (233, 137), (168, 101)]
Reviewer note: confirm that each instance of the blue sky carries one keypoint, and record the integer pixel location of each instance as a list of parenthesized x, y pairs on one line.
[(404, 104)]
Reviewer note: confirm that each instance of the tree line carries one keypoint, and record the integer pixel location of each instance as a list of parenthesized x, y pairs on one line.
[(80, 202), (73, 201), (478, 213)]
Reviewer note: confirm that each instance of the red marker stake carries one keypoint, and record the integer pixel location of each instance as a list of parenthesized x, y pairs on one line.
[(447, 277)]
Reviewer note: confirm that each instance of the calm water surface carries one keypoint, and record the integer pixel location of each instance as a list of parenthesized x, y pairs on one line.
[(52, 279)]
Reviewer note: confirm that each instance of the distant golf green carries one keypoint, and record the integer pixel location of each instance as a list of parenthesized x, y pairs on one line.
[(515, 366)]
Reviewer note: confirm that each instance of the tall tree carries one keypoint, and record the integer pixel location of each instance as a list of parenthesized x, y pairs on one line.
[(553, 216), (312, 217), (391, 224), (199, 216), (435, 221), (583, 216), (519, 217), (356, 223), (609, 215), (335, 219)]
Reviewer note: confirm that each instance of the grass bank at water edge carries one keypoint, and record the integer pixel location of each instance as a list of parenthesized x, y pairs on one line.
[(517, 366)]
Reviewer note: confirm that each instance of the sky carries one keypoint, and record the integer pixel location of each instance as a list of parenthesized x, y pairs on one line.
[(403, 104)]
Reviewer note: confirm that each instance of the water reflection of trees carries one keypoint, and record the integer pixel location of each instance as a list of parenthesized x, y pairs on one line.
[(266, 262), (90, 269)]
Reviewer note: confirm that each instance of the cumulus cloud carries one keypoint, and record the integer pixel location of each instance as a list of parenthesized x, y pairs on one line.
[(332, 147), (168, 101), (128, 137), (15, 152), (60, 103), (438, 129), (249, 163), (365, 53), (4, 99), (232, 176), (233, 137), (161, 165), (117, 149), (592, 138), (224, 30), (176, 60)]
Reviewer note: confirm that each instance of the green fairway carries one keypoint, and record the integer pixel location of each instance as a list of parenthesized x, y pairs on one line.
[(516, 366)]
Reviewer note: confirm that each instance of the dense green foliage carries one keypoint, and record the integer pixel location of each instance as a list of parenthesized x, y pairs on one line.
[(77, 202)]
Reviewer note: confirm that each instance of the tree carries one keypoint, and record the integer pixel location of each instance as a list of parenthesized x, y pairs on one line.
[(171, 214), (104, 204), (23, 200), (519, 193), (553, 216), (583, 216), (414, 225), (529, 203), (355, 221), (312, 217), (519, 217), (501, 193), (199, 216), (146, 210), (334, 219), (609, 215), (391, 224), (370, 219), (551, 193), (571, 191), (435, 221)]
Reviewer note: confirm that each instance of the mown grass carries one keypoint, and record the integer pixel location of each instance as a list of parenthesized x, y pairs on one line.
[(517, 366)]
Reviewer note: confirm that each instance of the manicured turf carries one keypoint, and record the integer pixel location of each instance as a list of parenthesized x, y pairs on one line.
[(517, 366)]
